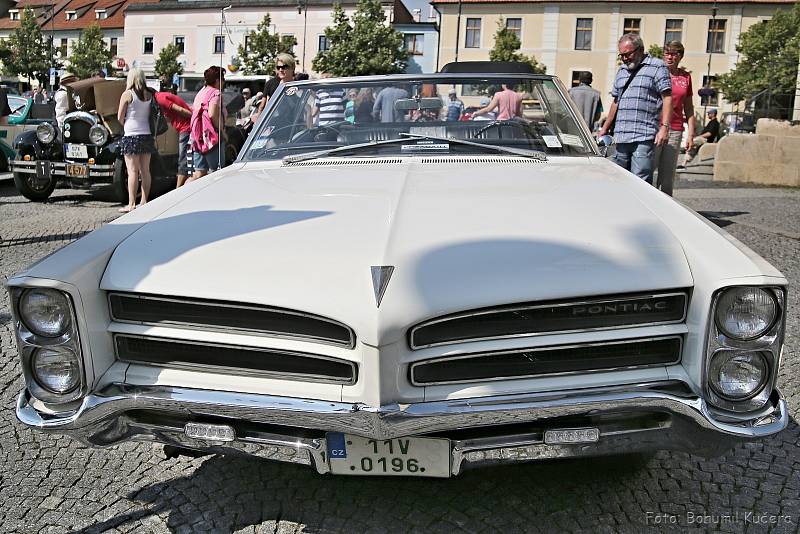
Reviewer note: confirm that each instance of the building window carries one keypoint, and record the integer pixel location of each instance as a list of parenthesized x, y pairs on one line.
[(576, 77), (148, 45), (322, 43), (515, 27), (673, 31), (13, 14), (716, 36), (583, 34), (290, 37), (180, 42), (709, 96), (473, 36), (414, 43), (113, 45), (100, 14), (632, 26), (62, 50), (72, 15), (219, 44)]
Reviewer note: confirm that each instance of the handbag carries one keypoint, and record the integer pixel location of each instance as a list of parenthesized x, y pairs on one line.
[(158, 122), (635, 71)]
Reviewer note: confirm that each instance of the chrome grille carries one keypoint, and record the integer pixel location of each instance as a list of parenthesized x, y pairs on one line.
[(528, 363), (228, 316), (530, 319), (233, 359)]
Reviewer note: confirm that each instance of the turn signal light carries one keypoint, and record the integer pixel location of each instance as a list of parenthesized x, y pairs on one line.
[(26, 157), (91, 161)]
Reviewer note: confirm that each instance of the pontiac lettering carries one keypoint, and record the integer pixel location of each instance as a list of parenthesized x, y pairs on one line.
[(620, 307)]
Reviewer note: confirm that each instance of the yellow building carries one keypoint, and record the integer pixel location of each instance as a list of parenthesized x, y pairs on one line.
[(570, 37)]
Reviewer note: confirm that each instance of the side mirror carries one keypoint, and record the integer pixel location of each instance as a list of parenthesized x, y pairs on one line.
[(605, 143)]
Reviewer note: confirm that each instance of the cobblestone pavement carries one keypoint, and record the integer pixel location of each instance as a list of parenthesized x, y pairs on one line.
[(50, 483)]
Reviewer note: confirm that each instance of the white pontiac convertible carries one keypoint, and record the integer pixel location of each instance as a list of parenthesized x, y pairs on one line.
[(383, 285)]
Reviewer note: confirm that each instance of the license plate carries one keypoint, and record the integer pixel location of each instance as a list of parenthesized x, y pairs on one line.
[(76, 151), (76, 170), (354, 455)]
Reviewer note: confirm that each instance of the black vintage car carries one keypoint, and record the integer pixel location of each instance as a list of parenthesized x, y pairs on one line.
[(87, 152)]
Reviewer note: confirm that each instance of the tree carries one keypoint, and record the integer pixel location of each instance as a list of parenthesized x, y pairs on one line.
[(167, 65), (90, 54), (768, 56), (367, 46), (26, 52), (506, 48), (258, 57), (656, 51)]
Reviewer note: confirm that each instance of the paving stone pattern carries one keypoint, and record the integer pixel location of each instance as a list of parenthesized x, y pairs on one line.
[(50, 483)]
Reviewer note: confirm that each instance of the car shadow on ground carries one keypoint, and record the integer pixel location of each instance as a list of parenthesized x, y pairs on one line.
[(722, 218), (225, 494)]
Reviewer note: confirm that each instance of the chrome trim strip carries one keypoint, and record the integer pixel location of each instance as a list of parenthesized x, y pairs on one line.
[(539, 349), (238, 370), (199, 326), (393, 420), (501, 309)]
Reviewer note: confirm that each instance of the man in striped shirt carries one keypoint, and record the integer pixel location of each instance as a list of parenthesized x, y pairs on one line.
[(329, 106), (642, 109)]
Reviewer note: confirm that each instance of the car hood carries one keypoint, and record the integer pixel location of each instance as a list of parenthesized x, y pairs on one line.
[(459, 235)]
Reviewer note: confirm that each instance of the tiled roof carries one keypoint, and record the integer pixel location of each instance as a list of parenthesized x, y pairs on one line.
[(115, 10), (149, 5)]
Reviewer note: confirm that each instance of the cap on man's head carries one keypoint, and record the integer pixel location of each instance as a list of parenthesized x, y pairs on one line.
[(485, 101), (67, 76), (712, 110), (451, 92)]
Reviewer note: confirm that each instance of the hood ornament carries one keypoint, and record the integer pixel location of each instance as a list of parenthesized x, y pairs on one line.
[(380, 279)]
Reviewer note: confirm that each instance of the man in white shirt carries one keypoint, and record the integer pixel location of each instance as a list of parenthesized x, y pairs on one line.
[(61, 98)]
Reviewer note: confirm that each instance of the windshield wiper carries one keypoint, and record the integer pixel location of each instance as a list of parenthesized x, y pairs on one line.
[(534, 154)]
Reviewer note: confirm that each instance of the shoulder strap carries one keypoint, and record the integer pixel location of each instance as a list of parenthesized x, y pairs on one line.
[(628, 83)]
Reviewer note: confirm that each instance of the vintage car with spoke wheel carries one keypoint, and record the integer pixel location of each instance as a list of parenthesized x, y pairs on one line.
[(407, 295)]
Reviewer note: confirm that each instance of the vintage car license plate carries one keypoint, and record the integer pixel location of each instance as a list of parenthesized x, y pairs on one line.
[(76, 170), (354, 455), (76, 151)]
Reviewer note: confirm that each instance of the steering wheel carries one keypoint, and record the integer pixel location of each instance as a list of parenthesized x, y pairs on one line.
[(498, 124)]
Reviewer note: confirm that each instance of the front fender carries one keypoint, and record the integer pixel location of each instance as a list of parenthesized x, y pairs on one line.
[(27, 143)]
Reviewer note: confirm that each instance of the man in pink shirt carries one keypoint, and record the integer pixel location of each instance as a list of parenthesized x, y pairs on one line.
[(507, 102), (179, 114)]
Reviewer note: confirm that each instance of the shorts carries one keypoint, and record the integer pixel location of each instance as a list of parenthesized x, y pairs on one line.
[(210, 161), (133, 145), (183, 147)]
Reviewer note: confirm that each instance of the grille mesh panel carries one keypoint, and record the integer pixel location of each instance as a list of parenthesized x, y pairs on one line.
[(546, 361), (235, 360), (218, 315)]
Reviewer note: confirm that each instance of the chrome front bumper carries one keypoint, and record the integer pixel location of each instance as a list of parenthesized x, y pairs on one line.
[(634, 418), (45, 169)]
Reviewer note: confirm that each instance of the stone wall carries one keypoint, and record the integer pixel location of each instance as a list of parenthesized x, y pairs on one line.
[(771, 156)]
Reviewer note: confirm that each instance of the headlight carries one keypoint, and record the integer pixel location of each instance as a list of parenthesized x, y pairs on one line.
[(45, 133), (98, 134), (46, 312), (746, 313), (737, 375), (56, 369)]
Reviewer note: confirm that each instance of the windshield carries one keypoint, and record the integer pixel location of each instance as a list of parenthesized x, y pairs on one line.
[(494, 112)]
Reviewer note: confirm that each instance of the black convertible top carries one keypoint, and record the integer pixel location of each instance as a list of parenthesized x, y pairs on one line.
[(487, 67)]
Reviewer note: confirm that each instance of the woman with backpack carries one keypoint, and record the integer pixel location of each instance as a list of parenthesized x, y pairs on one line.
[(137, 143), (208, 125)]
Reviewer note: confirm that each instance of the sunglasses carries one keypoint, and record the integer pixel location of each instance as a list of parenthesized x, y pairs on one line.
[(281, 67), (626, 55)]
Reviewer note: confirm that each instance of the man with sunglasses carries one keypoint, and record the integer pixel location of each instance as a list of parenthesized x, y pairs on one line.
[(642, 107)]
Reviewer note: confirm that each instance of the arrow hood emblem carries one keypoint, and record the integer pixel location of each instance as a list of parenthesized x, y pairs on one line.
[(380, 279)]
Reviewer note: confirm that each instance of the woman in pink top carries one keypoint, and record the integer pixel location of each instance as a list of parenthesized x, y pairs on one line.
[(507, 102), (666, 157)]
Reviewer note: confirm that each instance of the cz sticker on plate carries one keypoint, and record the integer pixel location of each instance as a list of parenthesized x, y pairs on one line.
[(356, 455)]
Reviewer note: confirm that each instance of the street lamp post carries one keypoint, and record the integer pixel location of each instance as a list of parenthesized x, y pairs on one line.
[(710, 54), (302, 6)]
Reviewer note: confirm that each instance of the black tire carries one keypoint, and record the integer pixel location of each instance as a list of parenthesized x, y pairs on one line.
[(120, 181), (28, 187), (4, 167)]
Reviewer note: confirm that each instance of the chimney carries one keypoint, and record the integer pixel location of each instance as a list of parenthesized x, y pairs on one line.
[(417, 15)]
